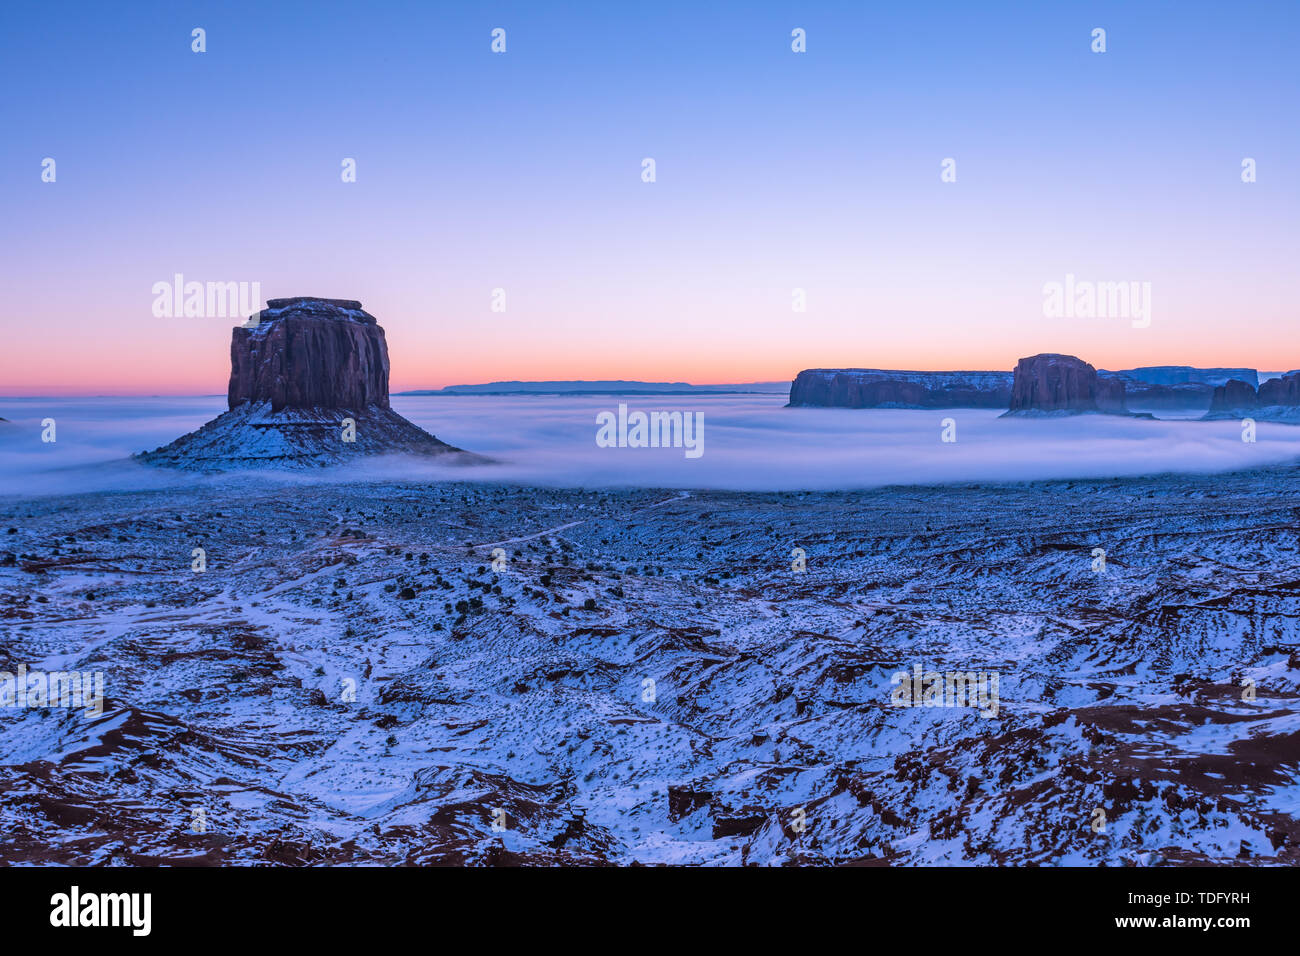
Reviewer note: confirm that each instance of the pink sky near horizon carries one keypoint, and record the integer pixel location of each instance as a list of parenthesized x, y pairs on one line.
[(171, 366), (697, 334)]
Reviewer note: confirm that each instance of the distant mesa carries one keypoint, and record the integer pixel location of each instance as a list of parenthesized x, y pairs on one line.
[(1187, 375), (1276, 399), (889, 388), (1180, 389), (1054, 384), (298, 370)]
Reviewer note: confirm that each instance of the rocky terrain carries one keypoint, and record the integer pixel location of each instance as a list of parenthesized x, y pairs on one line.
[(308, 389), (448, 673), (253, 436)]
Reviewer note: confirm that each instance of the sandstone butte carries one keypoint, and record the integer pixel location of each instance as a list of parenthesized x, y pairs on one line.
[(306, 375)]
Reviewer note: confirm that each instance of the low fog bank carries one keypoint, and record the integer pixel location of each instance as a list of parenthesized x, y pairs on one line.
[(750, 443), (755, 443)]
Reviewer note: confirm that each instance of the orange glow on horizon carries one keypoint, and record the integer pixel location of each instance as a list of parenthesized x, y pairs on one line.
[(204, 379)]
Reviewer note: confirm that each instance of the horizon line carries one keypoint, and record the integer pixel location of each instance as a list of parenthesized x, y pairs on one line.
[(77, 392)]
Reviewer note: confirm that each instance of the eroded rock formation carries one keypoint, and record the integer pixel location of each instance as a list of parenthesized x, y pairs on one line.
[(885, 388), (1050, 383), (1189, 375), (1284, 391), (1278, 399), (310, 353), (308, 388), (1233, 396), (1175, 388)]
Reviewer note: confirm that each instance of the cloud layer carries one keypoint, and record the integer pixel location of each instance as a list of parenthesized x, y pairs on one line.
[(750, 443)]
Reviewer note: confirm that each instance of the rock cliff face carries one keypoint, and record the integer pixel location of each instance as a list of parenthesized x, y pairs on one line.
[(885, 388), (1144, 396), (1284, 391), (310, 353), (1112, 395), (1232, 397), (308, 388), (1278, 399), (1064, 385), (1175, 388)]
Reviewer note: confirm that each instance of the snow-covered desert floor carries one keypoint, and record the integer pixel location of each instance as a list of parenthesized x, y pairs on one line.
[(416, 672)]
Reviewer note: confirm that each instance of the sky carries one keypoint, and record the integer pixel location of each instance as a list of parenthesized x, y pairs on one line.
[(523, 171)]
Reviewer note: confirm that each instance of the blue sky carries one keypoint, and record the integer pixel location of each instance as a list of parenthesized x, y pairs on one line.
[(775, 170)]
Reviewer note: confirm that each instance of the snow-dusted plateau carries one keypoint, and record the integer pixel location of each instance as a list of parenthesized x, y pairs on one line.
[(424, 673)]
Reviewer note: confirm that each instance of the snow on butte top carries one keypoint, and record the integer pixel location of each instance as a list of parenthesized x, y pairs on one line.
[(310, 306)]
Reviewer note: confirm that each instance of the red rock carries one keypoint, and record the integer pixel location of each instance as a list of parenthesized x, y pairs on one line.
[(308, 388), (310, 353), (742, 824), (1112, 395), (1233, 396), (682, 801), (1281, 391), (886, 388), (1049, 382)]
